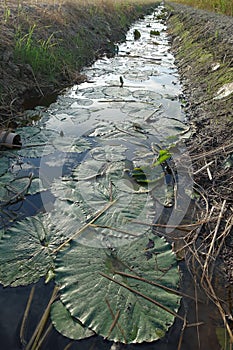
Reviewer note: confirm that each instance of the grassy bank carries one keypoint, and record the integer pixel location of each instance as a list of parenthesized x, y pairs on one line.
[(220, 6), (44, 45), (203, 51)]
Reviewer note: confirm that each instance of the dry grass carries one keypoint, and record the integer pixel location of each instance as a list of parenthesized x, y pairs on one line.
[(221, 6)]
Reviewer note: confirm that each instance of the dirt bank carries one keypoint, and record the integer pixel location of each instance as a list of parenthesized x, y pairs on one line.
[(44, 45), (202, 43)]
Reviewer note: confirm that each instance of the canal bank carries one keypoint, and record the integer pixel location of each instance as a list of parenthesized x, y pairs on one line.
[(202, 45), (43, 46)]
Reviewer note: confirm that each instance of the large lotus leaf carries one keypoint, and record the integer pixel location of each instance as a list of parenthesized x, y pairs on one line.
[(110, 309), (109, 153), (69, 144), (105, 130), (4, 164), (78, 115), (1, 233), (66, 324), (137, 75), (36, 142), (170, 126), (36, 151), (24, 185), (24, 253), (27, 248), (92, 168), (101, 185), (15, 188), (139, 110), (116, 92), (147, 95), (115, 226), (28, 132), (81, 102), (93, 93), (4, 180), (120, 130)]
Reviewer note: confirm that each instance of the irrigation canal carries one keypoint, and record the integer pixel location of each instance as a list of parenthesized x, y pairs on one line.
[(129, 109)]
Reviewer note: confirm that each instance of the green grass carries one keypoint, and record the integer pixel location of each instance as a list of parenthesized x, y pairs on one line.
[(40, 55), (220, 6), (47, 52)]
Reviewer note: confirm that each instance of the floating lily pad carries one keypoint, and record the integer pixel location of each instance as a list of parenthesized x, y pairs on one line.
[(81, 102), (109, 153), (1, 233), (138, 109), (27, 247), (70, 144), (28, 132), (37, 142), (4, 164), (93, 93), (16, 188), (66, 324), (24, 253), (147, 95), (137, 75), (117, 92), (104, 130), (98, 184), (105, 296), (4, 180)]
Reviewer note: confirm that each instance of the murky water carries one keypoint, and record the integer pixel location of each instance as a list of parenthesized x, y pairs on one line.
[(131, 106)]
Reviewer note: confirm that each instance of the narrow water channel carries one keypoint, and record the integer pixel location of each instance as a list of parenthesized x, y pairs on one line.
[(130, 111)]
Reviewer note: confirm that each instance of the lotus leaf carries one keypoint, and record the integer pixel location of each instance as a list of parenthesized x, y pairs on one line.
[(4, 164), (27, 247), (121, 306), (109, 153), (116, 92), (36, 142), (147, 95), (16, 188), (81, 102), (66, 324), (69, 144), (100, 184)]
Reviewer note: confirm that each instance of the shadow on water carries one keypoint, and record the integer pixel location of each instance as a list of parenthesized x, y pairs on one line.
[(147, 102)]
